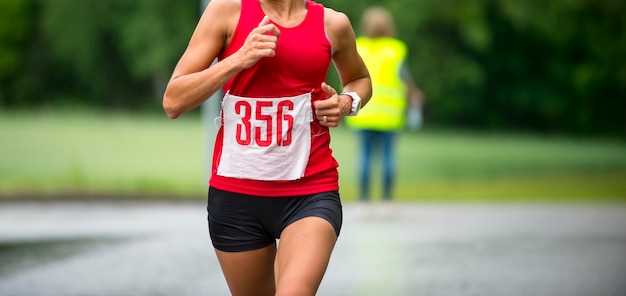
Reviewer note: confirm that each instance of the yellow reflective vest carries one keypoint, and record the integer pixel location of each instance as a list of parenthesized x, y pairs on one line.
[(385, 111)]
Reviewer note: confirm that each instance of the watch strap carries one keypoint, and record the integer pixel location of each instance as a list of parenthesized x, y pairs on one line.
[(356, 103)]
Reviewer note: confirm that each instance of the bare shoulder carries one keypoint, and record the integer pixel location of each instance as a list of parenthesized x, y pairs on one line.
[(338, 27), (222, 14), (212, 34), (335, 21)]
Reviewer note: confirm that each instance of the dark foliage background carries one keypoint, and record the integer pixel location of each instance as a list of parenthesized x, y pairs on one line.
[(542, 66)]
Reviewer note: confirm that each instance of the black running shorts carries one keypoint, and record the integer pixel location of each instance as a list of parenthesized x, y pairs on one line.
[(239, 222)]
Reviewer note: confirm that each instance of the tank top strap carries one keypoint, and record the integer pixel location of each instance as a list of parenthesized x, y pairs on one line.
[(316, 12)]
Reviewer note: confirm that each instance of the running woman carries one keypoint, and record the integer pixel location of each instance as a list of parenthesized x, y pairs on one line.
[(273, 175)]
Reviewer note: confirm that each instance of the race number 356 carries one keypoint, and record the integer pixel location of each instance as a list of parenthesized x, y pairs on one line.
[(264, 122)]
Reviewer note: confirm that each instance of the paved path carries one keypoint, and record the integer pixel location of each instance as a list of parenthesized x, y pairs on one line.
[(111, 249)]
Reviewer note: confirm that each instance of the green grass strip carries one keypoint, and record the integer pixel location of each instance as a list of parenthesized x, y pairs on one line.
[(84, 152)]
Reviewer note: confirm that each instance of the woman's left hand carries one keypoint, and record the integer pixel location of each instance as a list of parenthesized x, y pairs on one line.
[(331, 111)]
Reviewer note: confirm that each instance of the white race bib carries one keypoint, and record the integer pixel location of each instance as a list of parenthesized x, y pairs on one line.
[(266, 138)]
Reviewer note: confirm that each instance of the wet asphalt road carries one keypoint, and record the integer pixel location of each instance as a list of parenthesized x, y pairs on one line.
[(142, 248)]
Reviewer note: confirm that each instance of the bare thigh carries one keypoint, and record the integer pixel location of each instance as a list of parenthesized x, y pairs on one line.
[(303, 254), (249, 272)]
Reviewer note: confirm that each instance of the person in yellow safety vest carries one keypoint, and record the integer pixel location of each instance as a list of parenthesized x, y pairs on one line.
[(393, 87)]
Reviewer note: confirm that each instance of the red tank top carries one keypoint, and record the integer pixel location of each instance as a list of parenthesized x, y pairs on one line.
[(303, 55)]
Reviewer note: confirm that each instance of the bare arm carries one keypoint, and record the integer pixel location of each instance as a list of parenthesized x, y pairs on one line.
[(350, 68), (194, 79)]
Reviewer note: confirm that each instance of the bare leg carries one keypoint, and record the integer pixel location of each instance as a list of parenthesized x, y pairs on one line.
[(250, 272), (303, 254)]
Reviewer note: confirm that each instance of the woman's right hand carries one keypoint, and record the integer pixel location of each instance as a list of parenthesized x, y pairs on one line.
[(260, 43)]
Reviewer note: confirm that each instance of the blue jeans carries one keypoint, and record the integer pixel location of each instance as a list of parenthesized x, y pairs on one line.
[(372, 142)]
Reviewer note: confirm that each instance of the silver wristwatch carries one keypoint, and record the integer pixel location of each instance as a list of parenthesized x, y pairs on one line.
[(356, 103)]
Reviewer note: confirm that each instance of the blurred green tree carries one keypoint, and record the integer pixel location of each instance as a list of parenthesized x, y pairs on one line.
[(110, 53), (14, 31), (152, 36), (556, 66)]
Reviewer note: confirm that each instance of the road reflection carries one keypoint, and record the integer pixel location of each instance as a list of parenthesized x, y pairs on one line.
[(159, 248)]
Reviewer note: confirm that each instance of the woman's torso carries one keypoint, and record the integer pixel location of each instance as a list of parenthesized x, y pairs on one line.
[(256, 108)]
